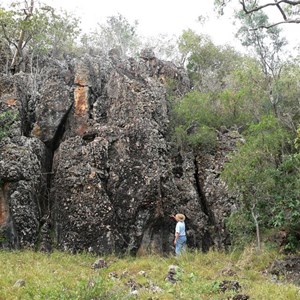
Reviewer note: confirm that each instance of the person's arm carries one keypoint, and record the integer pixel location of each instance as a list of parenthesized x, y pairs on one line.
[(176, 237)]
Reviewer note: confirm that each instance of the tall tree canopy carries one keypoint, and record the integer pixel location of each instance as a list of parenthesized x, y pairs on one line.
[(116, 33)]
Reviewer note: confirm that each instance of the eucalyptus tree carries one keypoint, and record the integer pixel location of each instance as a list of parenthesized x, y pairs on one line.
[(268, 45), (263, 169), (16, 29), (208, 65), (264, 38), (116, 33), (288, 10), (30, 28), (164, 46)]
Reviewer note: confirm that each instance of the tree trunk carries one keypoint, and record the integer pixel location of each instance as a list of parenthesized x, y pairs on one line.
[(28, 11), (255, 218)]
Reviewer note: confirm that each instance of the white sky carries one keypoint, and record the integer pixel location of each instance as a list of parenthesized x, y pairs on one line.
[(162, 16), (154, 16)]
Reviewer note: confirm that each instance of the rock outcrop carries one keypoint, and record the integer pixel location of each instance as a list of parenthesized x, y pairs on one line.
[(287, 269), (88, 158)]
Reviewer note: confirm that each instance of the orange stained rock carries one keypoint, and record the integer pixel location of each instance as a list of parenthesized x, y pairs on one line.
[(36, 131), (81, 100), (81, 129), (3, 207), (11, 101)]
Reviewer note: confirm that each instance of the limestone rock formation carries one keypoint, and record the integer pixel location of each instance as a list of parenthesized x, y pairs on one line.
[(88, 157)]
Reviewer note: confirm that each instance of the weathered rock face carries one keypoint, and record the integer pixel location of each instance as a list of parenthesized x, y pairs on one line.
[(92, 161), (288, 268), (23, 190), (23, 184), (217, 201)]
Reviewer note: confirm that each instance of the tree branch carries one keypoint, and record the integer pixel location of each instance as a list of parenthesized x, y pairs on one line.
[(281, 11), (6, 36), (296, 21), (257, 8), (26, 41)]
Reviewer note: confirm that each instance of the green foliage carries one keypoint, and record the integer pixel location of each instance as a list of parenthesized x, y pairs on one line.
[(208, 65), (266, 176), (251, 170), (188, 43), (117, 33), (248, 85), (195, 122), (229, 90), (195, 106), (241, 228), (7, 118), (267, 44), (38, 29), (198, 115), (202, 139), (297, 140), (287, 92), (287, 193), (54, 34), (233, 108)]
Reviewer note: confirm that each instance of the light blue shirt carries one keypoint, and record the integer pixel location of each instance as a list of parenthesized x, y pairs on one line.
[(180, 228)]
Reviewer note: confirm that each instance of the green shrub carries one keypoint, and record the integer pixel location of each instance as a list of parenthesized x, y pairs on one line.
[(7, 118), (241, 229), (202, 138)]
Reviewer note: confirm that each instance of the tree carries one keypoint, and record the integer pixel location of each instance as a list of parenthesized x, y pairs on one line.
[(263, 170), (208, 65), (56, 34), (253, 172), (20, 36), (268, 46), (244, 97), (288, 10), (118, 33), (28, 28), (287, 91), (228, 90), (164, 46)]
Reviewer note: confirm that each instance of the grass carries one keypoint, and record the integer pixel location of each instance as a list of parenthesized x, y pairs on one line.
[(66, 276)]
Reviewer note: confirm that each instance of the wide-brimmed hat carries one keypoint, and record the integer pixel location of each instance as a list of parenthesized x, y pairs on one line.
[(180, 217)]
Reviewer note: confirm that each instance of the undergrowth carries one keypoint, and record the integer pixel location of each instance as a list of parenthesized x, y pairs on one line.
[(199, 276)]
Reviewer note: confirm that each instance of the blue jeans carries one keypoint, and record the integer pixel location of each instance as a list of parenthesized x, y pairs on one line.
[(180, 244)]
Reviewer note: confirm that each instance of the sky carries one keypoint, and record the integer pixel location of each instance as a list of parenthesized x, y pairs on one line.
[(166, 16), (163, 17), (154, 17)]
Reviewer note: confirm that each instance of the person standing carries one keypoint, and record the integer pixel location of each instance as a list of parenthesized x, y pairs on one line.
[(180, 235)]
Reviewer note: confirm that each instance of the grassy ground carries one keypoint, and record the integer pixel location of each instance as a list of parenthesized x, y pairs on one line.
[(65, 276)]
